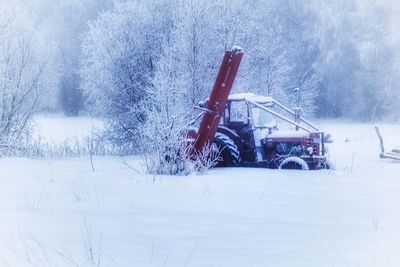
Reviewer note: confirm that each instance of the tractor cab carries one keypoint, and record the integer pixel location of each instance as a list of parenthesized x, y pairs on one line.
[(251, 123), (245, 123), (241, 112)]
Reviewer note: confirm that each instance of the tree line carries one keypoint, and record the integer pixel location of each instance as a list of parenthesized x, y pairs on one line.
[(133, 61)]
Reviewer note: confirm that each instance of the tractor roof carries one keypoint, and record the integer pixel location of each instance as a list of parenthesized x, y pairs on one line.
[(251, 97)]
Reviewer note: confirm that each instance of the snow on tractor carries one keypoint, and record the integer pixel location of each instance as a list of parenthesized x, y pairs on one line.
[(243, 128)]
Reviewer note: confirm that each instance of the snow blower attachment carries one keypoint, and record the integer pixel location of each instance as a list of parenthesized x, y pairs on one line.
[(394, 154), (243, 128)]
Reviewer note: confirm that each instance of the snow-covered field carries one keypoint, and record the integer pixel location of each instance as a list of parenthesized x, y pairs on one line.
[(55, 128), (61, 213)]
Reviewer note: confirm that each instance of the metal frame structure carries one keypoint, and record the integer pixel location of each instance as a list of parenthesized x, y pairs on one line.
[(394, 154)]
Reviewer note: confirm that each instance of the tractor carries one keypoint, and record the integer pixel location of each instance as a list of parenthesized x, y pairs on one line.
[(243, 128)]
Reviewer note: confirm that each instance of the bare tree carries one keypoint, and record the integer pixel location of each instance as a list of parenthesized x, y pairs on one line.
[(22, 74)]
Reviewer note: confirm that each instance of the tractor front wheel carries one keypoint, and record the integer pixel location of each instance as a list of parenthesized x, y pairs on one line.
[(294, 163)]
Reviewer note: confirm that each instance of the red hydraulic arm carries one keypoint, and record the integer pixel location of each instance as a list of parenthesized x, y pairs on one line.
[(215, 106)]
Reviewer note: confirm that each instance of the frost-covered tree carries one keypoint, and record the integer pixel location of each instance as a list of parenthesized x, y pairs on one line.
[(302, 53), (121, 49), (24, 72), (184, 75), (280, 52), (267, 58), (64, 22), (60, 25), (357, 65), (201, 31), (147, 63)]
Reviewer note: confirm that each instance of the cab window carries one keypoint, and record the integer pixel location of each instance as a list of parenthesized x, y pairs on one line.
[(262, 118), (238, 112)]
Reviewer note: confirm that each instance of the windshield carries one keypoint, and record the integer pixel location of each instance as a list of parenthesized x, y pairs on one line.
[(262, 118), (239, 111)]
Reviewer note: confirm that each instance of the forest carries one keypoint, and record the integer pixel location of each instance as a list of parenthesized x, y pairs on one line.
[(143, 65)]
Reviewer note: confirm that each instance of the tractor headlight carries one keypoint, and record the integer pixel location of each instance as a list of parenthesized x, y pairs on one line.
[(310, 150)]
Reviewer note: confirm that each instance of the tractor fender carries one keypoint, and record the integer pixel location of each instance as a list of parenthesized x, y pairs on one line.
[(231, 134), (193, 131)]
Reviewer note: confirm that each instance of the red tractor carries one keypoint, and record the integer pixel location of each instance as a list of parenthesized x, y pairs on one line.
[(243, 128)]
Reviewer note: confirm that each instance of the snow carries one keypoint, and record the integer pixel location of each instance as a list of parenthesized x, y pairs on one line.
[(288, 134), (251, 97), (56, 128), (236, 49), (61, 213)]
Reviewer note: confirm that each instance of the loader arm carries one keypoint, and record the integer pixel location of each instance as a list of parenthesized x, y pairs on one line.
[(215, 106)]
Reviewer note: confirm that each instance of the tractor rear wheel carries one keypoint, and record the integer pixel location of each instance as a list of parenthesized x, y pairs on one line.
[(294, 163), (228, 152)]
